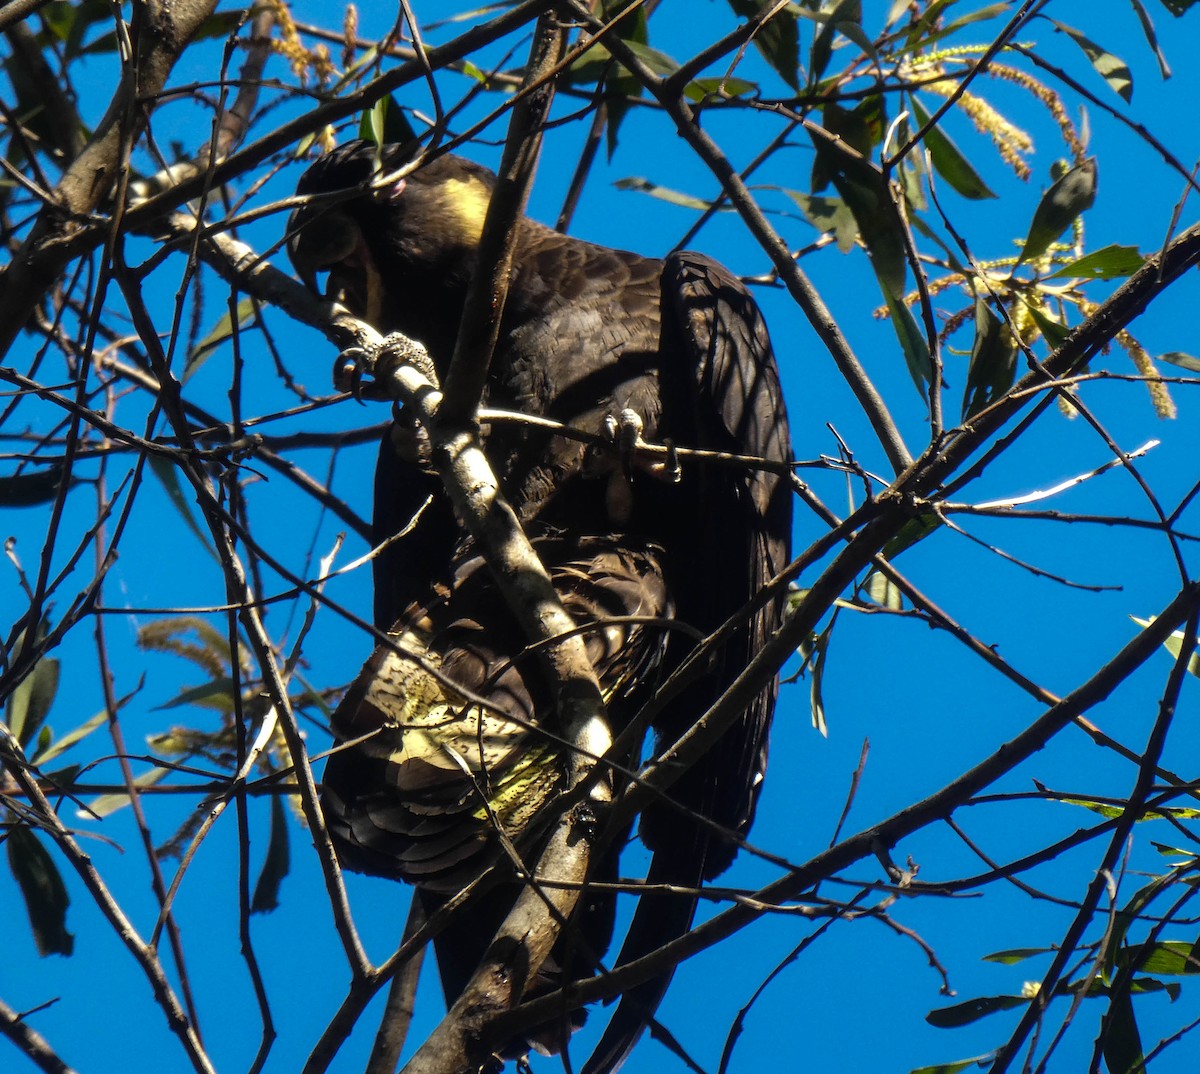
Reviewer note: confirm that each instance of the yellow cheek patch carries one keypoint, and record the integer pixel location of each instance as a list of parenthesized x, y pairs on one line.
[(467, 200)]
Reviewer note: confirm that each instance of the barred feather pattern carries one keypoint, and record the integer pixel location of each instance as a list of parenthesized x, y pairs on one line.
[(448, 736)]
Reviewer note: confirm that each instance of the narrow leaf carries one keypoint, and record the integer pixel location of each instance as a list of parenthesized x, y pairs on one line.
[(822, 48), (620, 87), (217, 694), (104, 804), (42, 888), (993, 361), (1119, 1038), (914, 530), (1175, 957), (29, 703), (1176, 8), (1016, 954), (1054, 331), (700, 89), (1181, 359), (883, 591), (385, 122), (68, 740), (1112, 69), (165, 473), (777, 40), (972, 1010), (820, 647), (275, 865), (912, 342), (32, 487), (828, 214), (217, 335), (956, 1065), (673, 197), (1109, 263), (948, 159), (1174, 645), (1068, 196)]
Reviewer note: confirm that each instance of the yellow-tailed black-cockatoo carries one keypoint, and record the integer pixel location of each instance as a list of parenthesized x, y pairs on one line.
[(594, 338)]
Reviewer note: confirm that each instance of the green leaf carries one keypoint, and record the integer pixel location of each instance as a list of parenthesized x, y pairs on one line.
[(593, 64), (972, 1010), (1070, 195), (221, 24), (32, 487), (883, 591), (674, 197), (385, 122), (857, 128), (778, 40), (275, 865), (68, 740), (1112, 69), (105, 804), (619, 85), (217, 694), (164, 470), (1175, 957), (912, 342), (471, 15), (828, 214), (1017, 954), (993, 361), (948, 159), (914, 530), (219, 333), (956, 1065), (1174, 645), (879, 229), (1054, 331), (700, 89), (42, 888), (1109, 263), (1176, 8), (865, 191), (846, 11), (819, 648), (1119, 1038), (69, 22), (471, 71), (29, 703), (1181, 359), (1169, 851), (923, 34)]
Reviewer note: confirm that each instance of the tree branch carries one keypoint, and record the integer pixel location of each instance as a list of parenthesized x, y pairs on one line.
[(164, 31)]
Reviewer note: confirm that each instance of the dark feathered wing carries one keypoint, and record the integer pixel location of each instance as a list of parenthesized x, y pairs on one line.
[(716, 331), (448, 738)]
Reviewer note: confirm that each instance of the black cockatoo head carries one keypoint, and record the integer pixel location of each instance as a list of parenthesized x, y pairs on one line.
[(400, 257)]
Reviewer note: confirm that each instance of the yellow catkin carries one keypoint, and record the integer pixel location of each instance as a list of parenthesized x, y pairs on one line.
[(1160, 397), (1164, 405), (349, 35), (1050, 99), (1009, 139), (291, 48)]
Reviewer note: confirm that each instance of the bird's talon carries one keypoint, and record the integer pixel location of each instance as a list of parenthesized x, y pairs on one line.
[(397, 350), (348, 370), (671, 470)]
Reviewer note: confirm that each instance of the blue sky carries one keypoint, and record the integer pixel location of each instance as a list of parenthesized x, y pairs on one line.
[(856, 999)]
